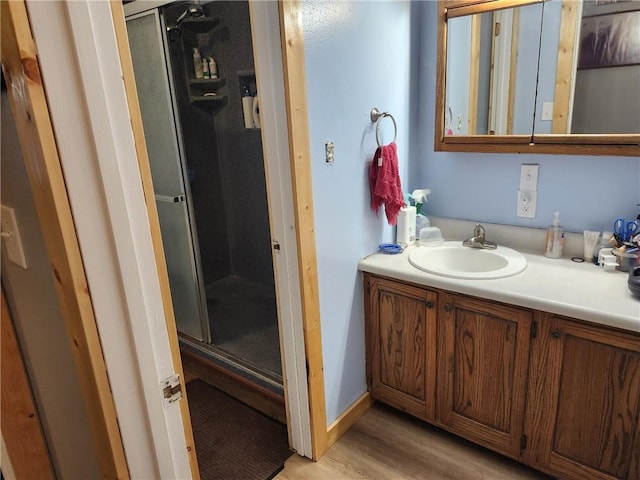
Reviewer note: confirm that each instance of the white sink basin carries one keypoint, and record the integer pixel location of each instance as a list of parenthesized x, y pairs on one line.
[(453, 260)]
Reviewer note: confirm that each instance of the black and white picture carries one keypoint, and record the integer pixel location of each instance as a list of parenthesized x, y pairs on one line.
[(611, 40)]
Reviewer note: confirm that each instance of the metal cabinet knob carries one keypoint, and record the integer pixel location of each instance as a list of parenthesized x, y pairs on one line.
[(429, 304), (448, 308), (555, 334)]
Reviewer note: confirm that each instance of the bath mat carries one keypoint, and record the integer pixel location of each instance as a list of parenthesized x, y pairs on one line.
[(234, 441)]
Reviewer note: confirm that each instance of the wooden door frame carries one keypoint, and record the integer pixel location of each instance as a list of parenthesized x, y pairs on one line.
[(299, 153), (303, 351), (63, 244), (22, 434), (35, 130), (305, 334)]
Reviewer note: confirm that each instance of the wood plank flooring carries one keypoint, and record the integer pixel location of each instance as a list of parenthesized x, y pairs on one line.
[(387, 444)]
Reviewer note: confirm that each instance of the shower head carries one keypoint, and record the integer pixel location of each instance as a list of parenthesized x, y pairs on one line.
[(194, 10)]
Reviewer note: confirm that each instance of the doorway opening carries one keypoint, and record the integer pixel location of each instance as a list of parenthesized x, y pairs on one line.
[(197, 90)]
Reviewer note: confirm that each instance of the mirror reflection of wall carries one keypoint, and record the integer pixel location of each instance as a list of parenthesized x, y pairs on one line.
[(607, 81), (492, 59), (585, 79)]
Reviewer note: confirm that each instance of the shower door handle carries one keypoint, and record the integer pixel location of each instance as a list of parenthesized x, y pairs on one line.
[(169, 198)]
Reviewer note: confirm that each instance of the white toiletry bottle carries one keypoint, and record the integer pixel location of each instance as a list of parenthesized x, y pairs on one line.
[(213, 68), (406, 228), (247, 108), (606, 242), (197, 63), (555, 238), (205, 68)]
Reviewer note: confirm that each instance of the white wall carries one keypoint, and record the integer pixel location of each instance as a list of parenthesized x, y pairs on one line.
[(39, 325), (358, 56)]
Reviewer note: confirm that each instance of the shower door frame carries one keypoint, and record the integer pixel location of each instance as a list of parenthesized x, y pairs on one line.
[(189, 222)]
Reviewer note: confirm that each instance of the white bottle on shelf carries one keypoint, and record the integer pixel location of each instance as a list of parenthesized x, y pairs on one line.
[(247, 108), (197, 63), (213, 68), (205, 68)]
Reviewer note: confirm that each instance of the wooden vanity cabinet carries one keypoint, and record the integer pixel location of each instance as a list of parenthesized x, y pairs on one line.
[(584, 401), (401, 345), (558, 394), (483, 357)]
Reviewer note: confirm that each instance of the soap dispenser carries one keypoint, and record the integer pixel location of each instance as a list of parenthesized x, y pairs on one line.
[(555, 238)]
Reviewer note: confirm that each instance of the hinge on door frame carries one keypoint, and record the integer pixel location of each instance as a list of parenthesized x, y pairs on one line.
[(276, 246), (496, 29), (534, 329), (523, 442), (171, 389)]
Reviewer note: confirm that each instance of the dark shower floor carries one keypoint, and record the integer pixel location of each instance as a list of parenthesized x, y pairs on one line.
[(244, 322)]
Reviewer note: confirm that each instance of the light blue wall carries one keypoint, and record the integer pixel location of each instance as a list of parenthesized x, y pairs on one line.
[(548, 61), (357, 57), (589, 191), (365, 54), (526, 68), (459, 75)]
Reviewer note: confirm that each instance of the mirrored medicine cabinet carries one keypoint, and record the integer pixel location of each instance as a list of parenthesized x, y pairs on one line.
[(538, 76)]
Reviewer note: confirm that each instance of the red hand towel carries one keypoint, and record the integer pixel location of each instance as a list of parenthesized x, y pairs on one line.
[(384, 182)]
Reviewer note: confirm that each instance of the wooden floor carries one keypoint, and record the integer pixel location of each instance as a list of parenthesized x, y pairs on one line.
[(387, 444)]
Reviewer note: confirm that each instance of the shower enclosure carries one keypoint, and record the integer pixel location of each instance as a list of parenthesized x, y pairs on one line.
[(209, 180)]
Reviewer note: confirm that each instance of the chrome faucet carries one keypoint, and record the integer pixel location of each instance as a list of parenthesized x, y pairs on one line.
[(478, 240)]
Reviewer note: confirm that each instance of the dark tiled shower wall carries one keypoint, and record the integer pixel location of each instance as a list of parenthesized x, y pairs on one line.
[(225, 160)]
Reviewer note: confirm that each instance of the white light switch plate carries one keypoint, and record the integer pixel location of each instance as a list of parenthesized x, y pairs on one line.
[(547, 111), (529, 177), (11, 236)]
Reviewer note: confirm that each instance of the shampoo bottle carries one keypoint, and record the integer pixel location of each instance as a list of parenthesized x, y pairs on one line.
[(555, 238), (213, 68), (197, 63), (205, 68)]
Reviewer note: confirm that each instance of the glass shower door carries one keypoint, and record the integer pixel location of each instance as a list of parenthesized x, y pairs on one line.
[(150, 64)]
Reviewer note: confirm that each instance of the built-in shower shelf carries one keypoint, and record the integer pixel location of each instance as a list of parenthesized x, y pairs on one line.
[(208, 102), (201, 24), (205, 85)]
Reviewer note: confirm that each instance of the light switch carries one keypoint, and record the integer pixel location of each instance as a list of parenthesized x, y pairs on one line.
[(11, 237), (529, 177), (547, 111)]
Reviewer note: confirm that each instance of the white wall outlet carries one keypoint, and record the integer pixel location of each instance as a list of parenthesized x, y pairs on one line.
[(529, 177), (547, 111), (526, 206), (11, 237)]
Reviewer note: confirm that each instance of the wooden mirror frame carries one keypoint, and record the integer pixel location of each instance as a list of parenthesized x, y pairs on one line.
[(565, 144)]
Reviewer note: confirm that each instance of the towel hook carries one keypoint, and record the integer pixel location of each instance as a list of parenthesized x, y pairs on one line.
[(377, 115)]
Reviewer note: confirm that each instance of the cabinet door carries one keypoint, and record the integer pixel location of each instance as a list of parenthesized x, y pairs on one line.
[(483, 351), (401, 343), (584, 401)]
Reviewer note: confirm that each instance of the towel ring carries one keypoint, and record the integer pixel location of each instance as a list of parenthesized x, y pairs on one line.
[(377, 115)]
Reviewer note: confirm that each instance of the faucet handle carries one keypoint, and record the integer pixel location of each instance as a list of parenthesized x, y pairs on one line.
[(479, 231)]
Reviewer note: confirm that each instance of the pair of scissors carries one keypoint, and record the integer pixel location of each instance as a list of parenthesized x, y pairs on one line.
[(624, 229)]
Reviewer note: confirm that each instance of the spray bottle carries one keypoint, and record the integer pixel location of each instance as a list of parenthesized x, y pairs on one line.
[(555, 238), (419, 198)]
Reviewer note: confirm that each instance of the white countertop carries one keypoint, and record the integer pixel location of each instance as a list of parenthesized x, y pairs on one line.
[(560, 286)]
